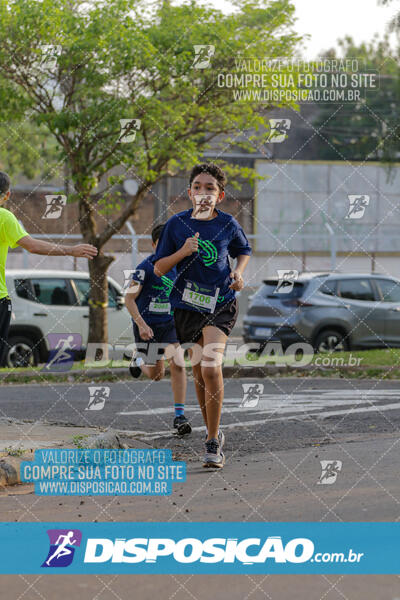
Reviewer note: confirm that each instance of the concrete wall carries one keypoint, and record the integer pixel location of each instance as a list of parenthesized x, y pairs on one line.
[(297, 198), (291, 208)]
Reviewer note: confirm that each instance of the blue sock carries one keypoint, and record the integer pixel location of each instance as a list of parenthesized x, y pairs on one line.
[(179, 409)]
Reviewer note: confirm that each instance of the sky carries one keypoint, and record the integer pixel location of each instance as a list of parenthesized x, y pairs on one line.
[(329, 20)]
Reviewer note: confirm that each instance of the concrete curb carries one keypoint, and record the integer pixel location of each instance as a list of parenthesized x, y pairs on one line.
[(10, 470), (10, 465), (107, 440), (265, 371), (89, 373)]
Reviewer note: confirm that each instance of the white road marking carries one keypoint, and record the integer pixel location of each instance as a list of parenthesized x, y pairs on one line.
[(282, 404), (297, 414), (158, 411)]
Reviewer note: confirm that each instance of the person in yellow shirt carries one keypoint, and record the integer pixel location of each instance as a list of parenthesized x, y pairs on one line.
[(13, 234)]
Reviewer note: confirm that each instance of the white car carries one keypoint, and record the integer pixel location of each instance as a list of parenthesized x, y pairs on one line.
[(45, 302)]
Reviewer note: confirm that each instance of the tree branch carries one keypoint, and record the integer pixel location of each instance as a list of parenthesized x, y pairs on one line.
[(120, 221)]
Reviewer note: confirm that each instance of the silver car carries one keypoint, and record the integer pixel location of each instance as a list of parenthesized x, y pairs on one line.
[(331, 311)]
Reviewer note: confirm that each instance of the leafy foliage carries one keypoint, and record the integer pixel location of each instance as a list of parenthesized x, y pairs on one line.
[(369, 129)]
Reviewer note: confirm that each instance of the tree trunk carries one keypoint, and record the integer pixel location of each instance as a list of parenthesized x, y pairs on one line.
[(98, 324), (98, 297)]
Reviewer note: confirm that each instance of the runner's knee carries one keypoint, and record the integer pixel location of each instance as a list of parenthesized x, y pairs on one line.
[(197, 376), (210, 373), (176, 368)]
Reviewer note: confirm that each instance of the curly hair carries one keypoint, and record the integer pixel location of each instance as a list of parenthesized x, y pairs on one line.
[(213, 170)]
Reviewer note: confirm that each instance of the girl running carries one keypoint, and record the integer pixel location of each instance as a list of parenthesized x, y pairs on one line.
[(199, 242)]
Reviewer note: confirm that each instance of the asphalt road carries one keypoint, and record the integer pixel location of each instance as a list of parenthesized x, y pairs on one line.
[(288, 413), (273, 473)]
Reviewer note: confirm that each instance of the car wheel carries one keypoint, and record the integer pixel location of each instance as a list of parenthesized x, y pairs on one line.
[(21, 352), (331, 340)]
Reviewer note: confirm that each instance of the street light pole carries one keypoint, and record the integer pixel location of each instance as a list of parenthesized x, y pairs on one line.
[(332, 237)]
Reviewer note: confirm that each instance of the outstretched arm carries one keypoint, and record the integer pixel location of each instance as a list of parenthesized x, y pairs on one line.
[(41, 247), (145, 331)]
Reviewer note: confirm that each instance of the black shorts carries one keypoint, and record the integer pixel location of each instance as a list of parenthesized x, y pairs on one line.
[(163, 334), (189, 324), (5, 318)]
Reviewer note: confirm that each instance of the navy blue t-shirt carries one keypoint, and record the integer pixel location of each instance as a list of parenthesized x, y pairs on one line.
[(153, 301), (203, 278)]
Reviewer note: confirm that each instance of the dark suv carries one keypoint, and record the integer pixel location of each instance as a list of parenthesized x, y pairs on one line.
[(331, 311)]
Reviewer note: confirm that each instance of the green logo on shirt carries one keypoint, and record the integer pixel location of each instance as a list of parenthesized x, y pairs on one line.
[(166, 287), (168, 283), (207, 252)]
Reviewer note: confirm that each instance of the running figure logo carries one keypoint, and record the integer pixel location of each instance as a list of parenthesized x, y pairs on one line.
[(357, 206), (98, 396), (62, 547), (278, 130), (286, 279), (49, 56), (62, 349), (129, 127), (251, 394), (132, 275), (330, 471), (54, 206), (203, 54)]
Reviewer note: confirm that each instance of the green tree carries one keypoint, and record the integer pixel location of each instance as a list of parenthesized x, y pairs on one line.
[(28, 150), (368, 129), (119, 59)]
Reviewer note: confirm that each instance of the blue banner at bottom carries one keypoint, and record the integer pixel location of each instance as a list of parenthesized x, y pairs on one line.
[(192, 548)]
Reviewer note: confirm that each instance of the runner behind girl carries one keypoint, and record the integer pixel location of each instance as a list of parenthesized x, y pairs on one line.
[(147, 300)]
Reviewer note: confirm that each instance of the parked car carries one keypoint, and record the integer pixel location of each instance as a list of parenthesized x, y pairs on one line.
[(330, 311), (46, 302)]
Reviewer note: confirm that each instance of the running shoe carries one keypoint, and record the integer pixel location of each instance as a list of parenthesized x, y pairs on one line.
[(214, 458), (182, 425), (221, 438), (134, 370)]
